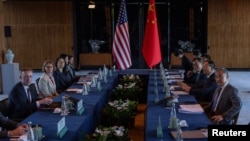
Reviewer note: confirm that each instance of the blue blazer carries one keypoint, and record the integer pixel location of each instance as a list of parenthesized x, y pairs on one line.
[(19, 105)]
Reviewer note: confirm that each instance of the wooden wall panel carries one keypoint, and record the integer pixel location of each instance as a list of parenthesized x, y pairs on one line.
[(45, 29), (228, 32), (40, 30)]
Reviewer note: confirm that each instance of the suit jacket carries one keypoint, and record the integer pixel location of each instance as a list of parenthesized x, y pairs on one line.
[(63, 80), (6, 125), (229, 104), (196, 79), (46, 86), (71, 71), (205, 92), (19, 105)]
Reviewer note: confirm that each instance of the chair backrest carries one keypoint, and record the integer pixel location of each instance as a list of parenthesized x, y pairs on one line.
[(235, 118), (37, 81), (37, 87)]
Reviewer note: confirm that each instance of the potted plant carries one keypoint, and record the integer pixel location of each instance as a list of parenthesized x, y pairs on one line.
[(119, 112), (113, 133)]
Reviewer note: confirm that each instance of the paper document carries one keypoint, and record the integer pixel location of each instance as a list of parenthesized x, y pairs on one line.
[(173, 73), (83, 80), (180, 92), (175, 76), (191, 108), (74, 90)]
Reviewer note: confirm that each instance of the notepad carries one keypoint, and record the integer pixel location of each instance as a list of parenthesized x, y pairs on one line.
[(74, 90), (180, 92), (190, 108)]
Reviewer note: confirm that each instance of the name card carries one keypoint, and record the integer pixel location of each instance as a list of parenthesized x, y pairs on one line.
[(61, 128), (80, 108)]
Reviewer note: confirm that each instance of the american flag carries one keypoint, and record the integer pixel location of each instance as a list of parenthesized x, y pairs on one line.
[(121, 47)]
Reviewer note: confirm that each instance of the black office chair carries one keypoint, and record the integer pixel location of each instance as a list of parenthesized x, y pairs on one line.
[(37, 81)]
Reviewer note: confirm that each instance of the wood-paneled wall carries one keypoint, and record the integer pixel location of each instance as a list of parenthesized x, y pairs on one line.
[(43, 29), (229, 32), (40, 30)]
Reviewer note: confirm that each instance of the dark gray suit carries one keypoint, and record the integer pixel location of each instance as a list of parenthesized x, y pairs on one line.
[(19, 106), (205, 92), (228, 106), (6, 125)]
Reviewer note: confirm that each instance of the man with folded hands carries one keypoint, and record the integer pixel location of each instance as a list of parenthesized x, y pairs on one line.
[(195, 77), (11, 128), (203, 92), (23, 98), (226, 103)]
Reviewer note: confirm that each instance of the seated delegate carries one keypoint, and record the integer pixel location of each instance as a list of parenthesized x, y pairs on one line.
[(61, 75), (11, 128), (46, 84), (23, 98), (226, 103)]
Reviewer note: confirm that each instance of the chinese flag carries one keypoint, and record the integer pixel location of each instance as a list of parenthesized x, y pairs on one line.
[(151, 46)]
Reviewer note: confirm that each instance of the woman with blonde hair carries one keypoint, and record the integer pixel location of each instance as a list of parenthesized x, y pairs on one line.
[(46, 84)]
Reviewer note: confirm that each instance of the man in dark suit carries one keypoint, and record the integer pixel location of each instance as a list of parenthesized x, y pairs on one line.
[(196, 77), (205, 91), (11, 128), (23, 98), (226, 103)]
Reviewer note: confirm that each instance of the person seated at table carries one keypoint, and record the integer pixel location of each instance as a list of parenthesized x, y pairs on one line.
[(46, 83), (62, 77), (186, 63), (196, 77), (206, 57), (71, 68), (23, 98), (204, 92), (226, 103), (11, 128)]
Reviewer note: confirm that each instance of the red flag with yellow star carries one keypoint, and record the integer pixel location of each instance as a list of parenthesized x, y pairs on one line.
[(151, 45)]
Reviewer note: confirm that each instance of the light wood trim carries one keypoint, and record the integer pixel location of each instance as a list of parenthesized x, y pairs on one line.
[(175, 61), (95, 59)]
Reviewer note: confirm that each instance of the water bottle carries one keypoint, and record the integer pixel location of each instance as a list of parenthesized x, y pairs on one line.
[(173, 111), (84, 89), (173, 118), (30, 133), (110, 73), (100, 74), (179, 133), (64, 106)]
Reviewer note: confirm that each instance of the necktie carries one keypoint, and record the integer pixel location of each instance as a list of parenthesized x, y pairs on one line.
[(28, 95), (216, 99), (51, 80), (197, 77)]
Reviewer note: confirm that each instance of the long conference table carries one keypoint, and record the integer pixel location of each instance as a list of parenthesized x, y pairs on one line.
[(80, 125), (154, 111)]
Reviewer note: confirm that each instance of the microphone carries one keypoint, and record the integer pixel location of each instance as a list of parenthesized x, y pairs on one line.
[(167, 101)]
